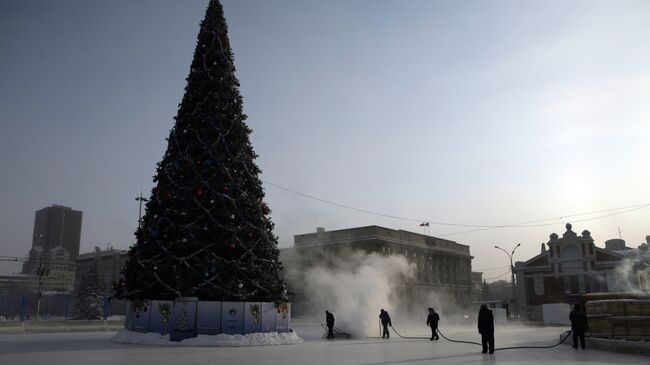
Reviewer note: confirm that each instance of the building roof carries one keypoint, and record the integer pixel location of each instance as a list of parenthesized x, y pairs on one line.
[(16, 276), (375, 232), (644, 254), (99, 254)]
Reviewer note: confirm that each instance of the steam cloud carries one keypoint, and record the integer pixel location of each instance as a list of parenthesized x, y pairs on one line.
[(355, 288), (631, 275)]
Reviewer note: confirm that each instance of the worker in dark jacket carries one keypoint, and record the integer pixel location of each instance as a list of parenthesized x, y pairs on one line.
[(385, 322), (329, 320), (578, 325), (486, 328), (432, 321)]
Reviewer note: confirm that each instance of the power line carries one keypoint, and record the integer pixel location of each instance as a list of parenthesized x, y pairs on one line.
[(525, 224), (491, 268), (358, 209), (13, 258), (498, 276), (68, 264)]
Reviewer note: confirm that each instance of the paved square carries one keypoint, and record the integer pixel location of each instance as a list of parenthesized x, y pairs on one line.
[(95, 349)]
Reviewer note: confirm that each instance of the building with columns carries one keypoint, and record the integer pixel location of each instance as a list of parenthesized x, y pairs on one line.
[(442, 267)]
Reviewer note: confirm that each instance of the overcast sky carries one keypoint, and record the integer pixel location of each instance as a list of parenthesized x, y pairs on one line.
[(480, 113)]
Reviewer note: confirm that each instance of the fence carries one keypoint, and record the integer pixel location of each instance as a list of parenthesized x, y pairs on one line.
[(53, 306)]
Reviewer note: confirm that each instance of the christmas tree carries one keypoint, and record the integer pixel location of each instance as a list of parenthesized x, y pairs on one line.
[(89, 298), (206, 231)]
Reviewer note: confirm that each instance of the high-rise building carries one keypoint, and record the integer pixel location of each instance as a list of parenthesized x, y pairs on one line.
[(55, 246), (58, 226)]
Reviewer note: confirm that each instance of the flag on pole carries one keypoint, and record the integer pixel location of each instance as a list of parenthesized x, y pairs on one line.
[(424, 224)]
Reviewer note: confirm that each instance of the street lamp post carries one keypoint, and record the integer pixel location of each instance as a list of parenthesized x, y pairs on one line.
[(41, 272), (512, 277), (140, 199)]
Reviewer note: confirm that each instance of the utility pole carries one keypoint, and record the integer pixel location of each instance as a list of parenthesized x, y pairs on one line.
[(40, 272), (512, 277), (140, 199)]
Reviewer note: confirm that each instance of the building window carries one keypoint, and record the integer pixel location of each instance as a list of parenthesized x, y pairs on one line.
[(567, 284), (571, 252)]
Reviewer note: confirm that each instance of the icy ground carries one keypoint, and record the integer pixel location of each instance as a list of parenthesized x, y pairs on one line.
[(95, 349), (221, 340)]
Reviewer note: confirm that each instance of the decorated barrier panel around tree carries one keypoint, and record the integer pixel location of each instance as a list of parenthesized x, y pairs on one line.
[(188, 317), (161, 315), (208, 316)]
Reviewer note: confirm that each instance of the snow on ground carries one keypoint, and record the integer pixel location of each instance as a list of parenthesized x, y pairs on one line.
[(222, 340), (97, 349)]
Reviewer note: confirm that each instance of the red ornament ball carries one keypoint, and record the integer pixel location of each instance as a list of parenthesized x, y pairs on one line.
[(232, 247)]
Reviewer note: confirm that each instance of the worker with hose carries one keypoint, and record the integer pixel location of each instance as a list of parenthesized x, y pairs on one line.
[(432, 321), (486, 328), (329, 320), (578, 326), (385, 322)]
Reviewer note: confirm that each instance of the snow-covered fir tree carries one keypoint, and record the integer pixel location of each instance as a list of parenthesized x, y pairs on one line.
[(89, 299)]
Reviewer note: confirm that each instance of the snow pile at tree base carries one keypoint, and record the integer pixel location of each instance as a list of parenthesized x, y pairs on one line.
[(221, 340)]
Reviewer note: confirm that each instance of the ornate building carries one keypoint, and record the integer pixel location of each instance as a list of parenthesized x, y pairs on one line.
[(570, 267)]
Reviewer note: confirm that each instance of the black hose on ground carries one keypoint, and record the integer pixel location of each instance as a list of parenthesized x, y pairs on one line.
[(536, 347), (458, 341), (408, 338), (337, 332), (479, 344)]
